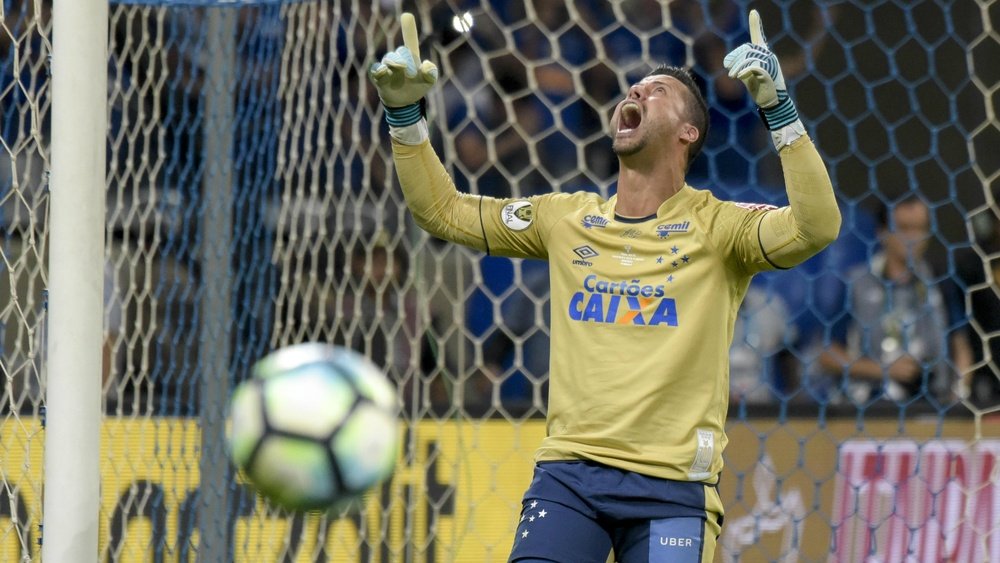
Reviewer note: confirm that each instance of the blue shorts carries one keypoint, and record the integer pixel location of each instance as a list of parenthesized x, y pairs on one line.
[(579, 511)]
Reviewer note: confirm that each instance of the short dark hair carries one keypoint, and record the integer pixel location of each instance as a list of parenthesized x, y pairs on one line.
[(883, 209), (697, 106)]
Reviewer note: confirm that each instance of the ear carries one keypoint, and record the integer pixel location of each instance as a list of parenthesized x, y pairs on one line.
[(689, 133)]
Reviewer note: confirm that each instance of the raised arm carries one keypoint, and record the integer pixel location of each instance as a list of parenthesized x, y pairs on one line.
[(402, 81), (811, 220)]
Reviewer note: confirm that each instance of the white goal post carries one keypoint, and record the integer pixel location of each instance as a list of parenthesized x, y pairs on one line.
[(76, 280)]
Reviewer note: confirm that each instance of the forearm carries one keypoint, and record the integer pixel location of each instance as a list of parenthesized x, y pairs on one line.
[(402, 81), (835, 358), (811, 220), (437, 206)]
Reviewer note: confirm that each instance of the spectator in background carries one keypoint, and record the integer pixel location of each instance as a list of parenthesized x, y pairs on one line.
[(894, 343), (761, 333), (377, 317)]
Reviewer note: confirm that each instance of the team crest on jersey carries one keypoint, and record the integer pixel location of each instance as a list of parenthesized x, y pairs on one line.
[(594, 221), (755, 206), (517, 215), (666, 229)]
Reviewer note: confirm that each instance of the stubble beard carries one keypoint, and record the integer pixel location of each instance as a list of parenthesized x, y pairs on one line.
[(627, 147)]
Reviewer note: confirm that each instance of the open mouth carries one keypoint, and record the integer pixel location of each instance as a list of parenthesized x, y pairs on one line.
[(630, 117)]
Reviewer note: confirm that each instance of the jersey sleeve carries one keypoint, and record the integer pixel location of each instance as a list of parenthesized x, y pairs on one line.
[(759, 237), (733, 228), (430, 194), (811, 221), (520, 228), (503, 227)]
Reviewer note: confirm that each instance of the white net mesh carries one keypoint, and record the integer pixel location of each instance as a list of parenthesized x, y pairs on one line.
[(253, 128)]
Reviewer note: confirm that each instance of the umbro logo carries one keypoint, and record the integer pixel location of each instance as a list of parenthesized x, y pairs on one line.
[(585, 253)]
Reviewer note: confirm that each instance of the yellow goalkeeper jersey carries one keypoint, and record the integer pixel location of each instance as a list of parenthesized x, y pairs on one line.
[(642, 310), (643, 313)]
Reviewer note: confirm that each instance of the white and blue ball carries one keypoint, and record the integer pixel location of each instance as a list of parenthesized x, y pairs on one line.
[(315, 427)]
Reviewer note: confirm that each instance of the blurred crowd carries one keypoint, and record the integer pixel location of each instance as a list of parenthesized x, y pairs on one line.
[(902, 312)]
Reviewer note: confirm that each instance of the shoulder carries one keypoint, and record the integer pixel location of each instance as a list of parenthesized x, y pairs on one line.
[(542, 211), (579, 198), (702, 199), (753, 206), (559, 204), (526, 206), (723, 221)]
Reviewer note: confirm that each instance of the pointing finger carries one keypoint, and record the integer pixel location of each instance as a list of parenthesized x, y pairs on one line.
[(410, 38), (756, 29)]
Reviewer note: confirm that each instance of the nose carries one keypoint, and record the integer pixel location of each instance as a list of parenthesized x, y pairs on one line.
[(636, 92)]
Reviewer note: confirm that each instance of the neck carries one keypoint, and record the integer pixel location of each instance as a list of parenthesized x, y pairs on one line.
[(642, 188)]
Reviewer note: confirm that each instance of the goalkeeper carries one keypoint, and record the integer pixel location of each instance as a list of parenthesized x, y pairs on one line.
[(645, 287)]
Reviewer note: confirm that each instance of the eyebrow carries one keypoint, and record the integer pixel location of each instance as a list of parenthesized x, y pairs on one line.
[(659, 81)]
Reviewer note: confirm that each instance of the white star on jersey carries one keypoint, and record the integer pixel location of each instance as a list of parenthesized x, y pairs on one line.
[(542, 513)]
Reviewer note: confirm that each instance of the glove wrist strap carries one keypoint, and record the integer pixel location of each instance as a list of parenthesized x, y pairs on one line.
[(781, 114), (414, 134), (788, 134), (405, 115)]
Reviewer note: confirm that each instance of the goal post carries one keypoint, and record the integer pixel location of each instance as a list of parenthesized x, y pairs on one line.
[(251, 203), (217, 315), (73, 334)]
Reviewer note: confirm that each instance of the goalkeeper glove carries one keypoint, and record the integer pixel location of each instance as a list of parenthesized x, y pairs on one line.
[(757, 67), (402, 80)]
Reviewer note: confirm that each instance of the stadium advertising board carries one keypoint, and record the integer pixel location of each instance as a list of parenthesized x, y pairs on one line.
[(793, 491), (931, 499), (461, 480), (877, 490)]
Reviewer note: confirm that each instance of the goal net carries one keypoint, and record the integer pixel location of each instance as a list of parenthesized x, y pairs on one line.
[(252, 204)]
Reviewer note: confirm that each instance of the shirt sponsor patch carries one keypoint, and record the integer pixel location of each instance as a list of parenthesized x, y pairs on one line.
[(517, 215), (755, 206), (675, 539), (664, 230), (592, 221), (622, 302)]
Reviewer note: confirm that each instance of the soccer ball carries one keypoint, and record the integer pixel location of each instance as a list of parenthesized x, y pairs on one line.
[(315, 426)]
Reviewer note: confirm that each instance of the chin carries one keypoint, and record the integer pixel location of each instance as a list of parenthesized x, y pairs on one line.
[(627, 147)]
